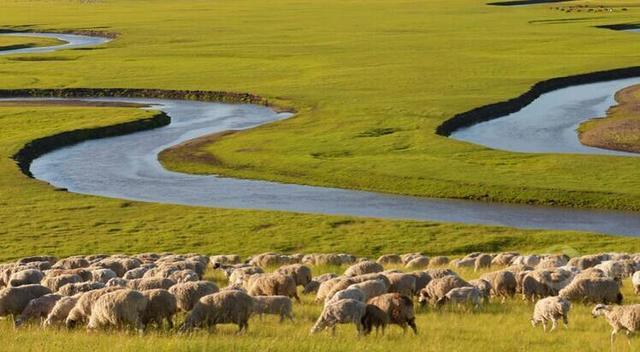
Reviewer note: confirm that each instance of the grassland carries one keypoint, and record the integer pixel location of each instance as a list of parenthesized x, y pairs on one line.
[(494, 327), (10, 43), (620, 129)]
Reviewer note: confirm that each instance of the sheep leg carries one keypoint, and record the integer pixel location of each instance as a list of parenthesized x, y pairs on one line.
[(613, 337), (565, 321), (554, 324), (170, 322), (544, 325)]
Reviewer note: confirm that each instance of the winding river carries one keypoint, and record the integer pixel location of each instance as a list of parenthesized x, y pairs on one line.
[(126, 167)]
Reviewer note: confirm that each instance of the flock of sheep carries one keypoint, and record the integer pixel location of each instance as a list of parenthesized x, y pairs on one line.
[(122, 291)]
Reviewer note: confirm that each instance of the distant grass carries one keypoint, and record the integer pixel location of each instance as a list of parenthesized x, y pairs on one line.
[(495, 327), (10, 43)]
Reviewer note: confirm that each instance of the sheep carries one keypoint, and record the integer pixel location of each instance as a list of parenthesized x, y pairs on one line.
[(119, 308), (587, 261), (114, 264), (61, 310), (439, 261), (620, 318), (279, 305), (269, 259), (348, 293), (389, 259), (273, 284), (406, 258), (438, 288), (40, 258), (553, 261), (635, 281), (314, 284), (117, 281), (483, 286), (503, 283), (361, 268), (84, 273), (595, 290), (81, 311), (71, 263), (224, 307), (374, 317), (188, 293), (72, 289), (26, 277), (551, 308), (161, 305), (344, 311), (184, 276), (526, 260), (399, 309), (37, 308), (224, 259), (103, 275), (418, 262), (482, 261), (465, 262), (13, 300), (503, 259), (54, 283), (543, 283), (150, 283), (371, 288), (239, 275), (404, 284), (300, 273), (461, 295), (136, 273)]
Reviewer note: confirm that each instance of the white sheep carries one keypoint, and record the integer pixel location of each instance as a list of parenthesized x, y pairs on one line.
[(625, 317), (551, 309), (278, 305), (344, 311)]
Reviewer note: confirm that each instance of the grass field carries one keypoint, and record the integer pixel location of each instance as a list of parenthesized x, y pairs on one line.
[(494, 327), (9, 43)]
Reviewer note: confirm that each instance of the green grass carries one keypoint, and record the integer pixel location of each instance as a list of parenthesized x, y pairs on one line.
[(9, 43), (494, 327)]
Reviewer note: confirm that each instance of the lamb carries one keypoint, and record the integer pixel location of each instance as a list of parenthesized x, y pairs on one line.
[(150, 283), (37, 308), (278, 305), (224, 307), (551, 309), (620, 318), (13, 300), (188, 293), (344, 311), (374, 317), (399, 309), (348, 293), (595, 290), (438, 288), (26, 277), (272, 285), (161, 305), (371, 288), (635, 281), (61, 310), (300, 273), (462, 295), (120, 308), (404, 284), (81, 311), (361, 268), (55, 282), (72, 289)]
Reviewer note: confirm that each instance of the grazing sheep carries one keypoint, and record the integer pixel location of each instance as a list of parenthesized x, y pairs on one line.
[(103, 275), (239, 275), (482, 261), (120, 308), (37, 308), (467, 262), (553, 261), (114, 264), (224, 259), (503, 283), (483, 286), (620, 318), (184, 276), (161, 305), (526, 260), (389, 259), (364, 267), (404, 284), (136, 273), (406, 258), (462, 295), (278, 305), (273, 284), (150, 283), (344, 311), (438, 288), (300, 273), (587, 261), (13, 300), (54, 283), (189, 293), (551, 309), (348, 293), (314, 285), (117, 281), (594, 290), (61, 310), (81, 311), (39, 258), (635, 280), (503, 259), (224, 307), (418, 262), (71, 263), (371, 288), (72, 289), (439, 261), (399, 310), (374, 317), (265, 260), (26, 277), (84, 273)]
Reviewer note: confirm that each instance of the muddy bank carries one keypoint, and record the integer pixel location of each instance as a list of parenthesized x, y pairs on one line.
[(524, 2), (497, 110), (87, 32)]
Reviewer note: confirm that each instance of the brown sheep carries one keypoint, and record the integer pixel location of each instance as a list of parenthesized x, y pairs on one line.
[(161, 305), (37, 308), (188, 293), (150, 283), (225, 307), (399, 309), (273, 284), (374, 317), (120, 308), (13, 300), (300, 273)]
